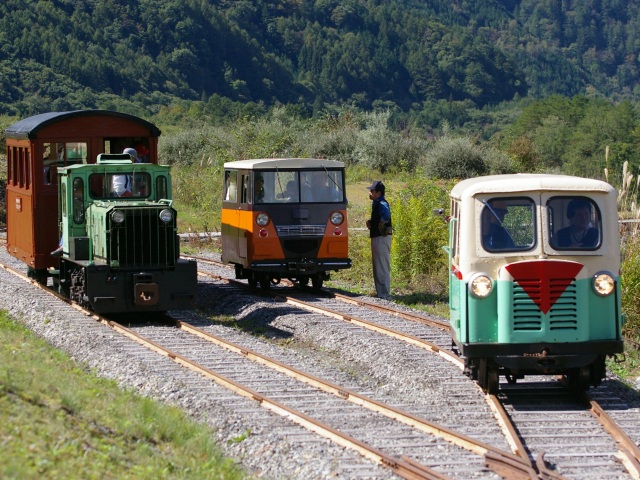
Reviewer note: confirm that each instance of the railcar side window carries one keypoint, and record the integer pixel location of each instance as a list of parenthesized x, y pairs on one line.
[(508, 224), (575, 223), (230, 186)]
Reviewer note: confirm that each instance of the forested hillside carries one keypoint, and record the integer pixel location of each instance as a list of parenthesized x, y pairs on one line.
[(399, 55)]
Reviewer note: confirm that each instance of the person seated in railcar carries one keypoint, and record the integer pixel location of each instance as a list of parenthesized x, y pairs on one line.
[(316, 189), (494, 235), (580, 233)]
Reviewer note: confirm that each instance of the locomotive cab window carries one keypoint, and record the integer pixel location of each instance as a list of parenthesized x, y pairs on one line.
[(508, 224), (575, 223), (122, 184), (78, 200)]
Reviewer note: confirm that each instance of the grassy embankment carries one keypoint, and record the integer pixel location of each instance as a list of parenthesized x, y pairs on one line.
[(58, 421)]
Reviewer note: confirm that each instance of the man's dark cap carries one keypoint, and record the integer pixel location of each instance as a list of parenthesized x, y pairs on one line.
[(377, 185)]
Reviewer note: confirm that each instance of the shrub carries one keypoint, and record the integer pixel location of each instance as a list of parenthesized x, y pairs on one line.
[(419, 234), (380, 148), (455, 158), (630, 270)]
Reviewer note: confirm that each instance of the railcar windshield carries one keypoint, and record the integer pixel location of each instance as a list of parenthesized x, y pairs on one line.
[(295, 186), (508, 224)]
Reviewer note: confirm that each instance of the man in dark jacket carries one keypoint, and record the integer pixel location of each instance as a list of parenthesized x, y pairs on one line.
[(380, 230)]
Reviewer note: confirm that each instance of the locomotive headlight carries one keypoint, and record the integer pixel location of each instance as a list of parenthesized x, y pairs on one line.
[(262, 219), (337, 218), (603, 284), (481, 285), (117, 216), (166, 215)]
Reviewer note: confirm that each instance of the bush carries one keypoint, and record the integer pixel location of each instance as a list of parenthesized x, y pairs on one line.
[(419, 234), (380, 148), (455, 158), (630, 272)]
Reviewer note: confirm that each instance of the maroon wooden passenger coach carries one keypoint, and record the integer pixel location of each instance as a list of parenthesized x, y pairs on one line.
[(36, 147)]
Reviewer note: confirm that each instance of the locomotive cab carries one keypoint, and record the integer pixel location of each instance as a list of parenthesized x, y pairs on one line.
[(119, 238), (534, 277)]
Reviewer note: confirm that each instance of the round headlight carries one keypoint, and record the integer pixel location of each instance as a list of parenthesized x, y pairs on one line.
[(117, 216), (603, 284), (337, 218), (262, 219), (166, 215), (481, 285)]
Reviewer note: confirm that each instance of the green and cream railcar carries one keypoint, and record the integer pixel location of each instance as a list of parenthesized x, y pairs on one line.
[(534, 277)]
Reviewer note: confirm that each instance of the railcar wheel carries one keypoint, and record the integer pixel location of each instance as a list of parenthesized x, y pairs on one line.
[(303, 280), (598, 371), (265, 282), (316, 281), (488, 376), (253, 281), (579, 379), (493, 377)]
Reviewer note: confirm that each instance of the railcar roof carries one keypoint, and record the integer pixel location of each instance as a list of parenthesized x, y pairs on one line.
[(29, 127), (272, 163), (527, 182)]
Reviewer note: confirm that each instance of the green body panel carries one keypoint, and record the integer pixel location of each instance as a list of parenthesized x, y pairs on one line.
[(579, 315)]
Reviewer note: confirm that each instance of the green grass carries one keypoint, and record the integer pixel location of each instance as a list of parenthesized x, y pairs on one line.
[(57, 421)]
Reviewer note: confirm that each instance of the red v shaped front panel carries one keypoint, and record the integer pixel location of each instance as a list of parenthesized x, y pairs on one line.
[(544, 281)]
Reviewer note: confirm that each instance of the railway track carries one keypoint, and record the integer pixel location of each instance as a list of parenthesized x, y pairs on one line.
[(432, 436), (620, 454)]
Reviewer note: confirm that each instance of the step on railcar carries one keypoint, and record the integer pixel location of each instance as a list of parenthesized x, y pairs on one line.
[(119, 254), (285, 218), (534, 277)]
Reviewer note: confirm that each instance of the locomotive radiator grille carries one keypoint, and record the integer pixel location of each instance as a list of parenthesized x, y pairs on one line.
[(142, 240), (528, 295), (300, 230)]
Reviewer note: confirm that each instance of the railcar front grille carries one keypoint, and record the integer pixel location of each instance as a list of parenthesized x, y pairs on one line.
[(528, 296), (300, 230), (142, 240), (301, 247)]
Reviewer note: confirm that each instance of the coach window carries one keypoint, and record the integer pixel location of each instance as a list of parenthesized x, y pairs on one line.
[(76, 152), (508, 224), (78, 200), (575, 223)]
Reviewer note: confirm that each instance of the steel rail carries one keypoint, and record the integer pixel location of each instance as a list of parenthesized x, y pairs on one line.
[(400, 467), (497, 462), (411, 420), (397, 465), (418, 342), (443, 325), (628, 451)]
